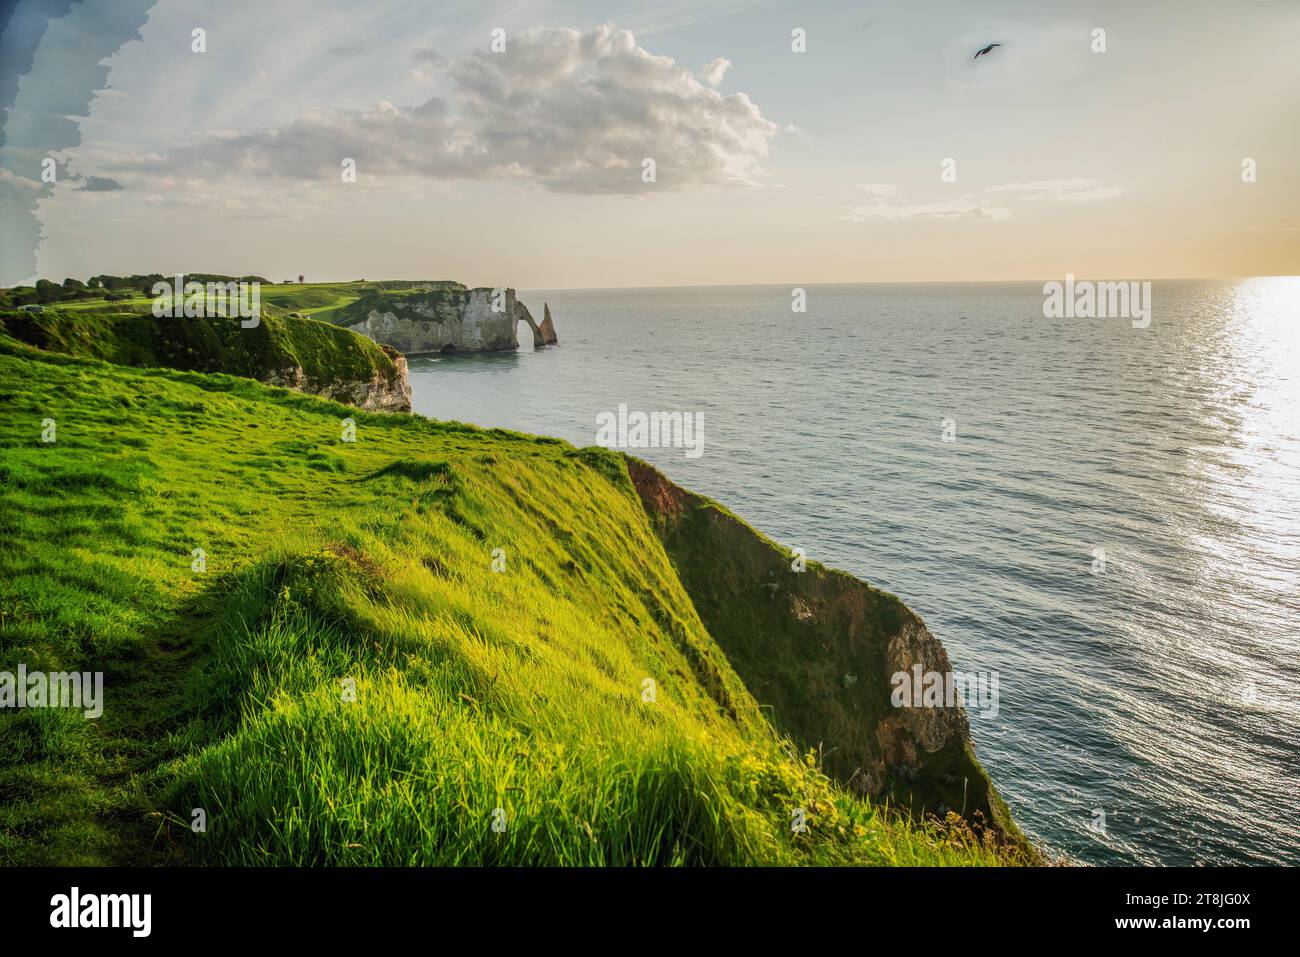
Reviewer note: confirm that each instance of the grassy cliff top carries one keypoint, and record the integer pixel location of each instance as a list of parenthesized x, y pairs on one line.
[(127, 333), (328, 301), (571, 694), (436, 304), (319, 299)]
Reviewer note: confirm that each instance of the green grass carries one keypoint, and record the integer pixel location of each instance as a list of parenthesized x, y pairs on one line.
[(369, 565), (325, 301), (127, 333), (312, 299), (329, 301)]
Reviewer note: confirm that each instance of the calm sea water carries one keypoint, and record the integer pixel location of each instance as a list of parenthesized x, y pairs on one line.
[(1161, 693)]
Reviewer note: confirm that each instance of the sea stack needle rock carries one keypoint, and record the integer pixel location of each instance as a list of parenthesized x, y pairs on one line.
[(548, 327), (436, 317)]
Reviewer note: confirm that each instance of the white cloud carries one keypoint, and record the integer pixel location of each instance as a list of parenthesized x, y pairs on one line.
[(881, 190), (570, 111), (13, 185), (890, 203), (715, 70), (1076, 190)]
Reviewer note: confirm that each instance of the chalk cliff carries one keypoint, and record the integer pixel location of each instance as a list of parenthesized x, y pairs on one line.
[(383, 391), (445, 317)]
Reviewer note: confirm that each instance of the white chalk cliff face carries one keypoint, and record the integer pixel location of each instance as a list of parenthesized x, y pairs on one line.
[(380, 393), (430, 321)]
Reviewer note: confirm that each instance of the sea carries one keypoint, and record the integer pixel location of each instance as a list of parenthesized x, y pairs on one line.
[(1104, 514)]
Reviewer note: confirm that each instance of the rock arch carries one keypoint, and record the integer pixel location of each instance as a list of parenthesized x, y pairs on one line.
[(521, 312)]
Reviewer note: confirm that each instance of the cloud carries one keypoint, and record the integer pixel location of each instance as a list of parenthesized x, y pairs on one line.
[(569, 111), (12, 185), (714, 71), (881, 190), (890, 203), (1076, 190), (99, 184), (428, 55)]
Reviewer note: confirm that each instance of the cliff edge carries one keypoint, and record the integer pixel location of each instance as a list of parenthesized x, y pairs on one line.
[(819, 648)]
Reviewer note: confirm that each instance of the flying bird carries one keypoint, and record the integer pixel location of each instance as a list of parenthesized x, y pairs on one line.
[(987, 49)]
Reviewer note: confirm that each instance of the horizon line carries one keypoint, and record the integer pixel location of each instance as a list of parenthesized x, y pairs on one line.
[(729, 285), (894, 282)]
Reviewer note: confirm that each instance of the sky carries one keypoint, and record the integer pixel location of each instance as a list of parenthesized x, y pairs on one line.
[(507, 144)]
